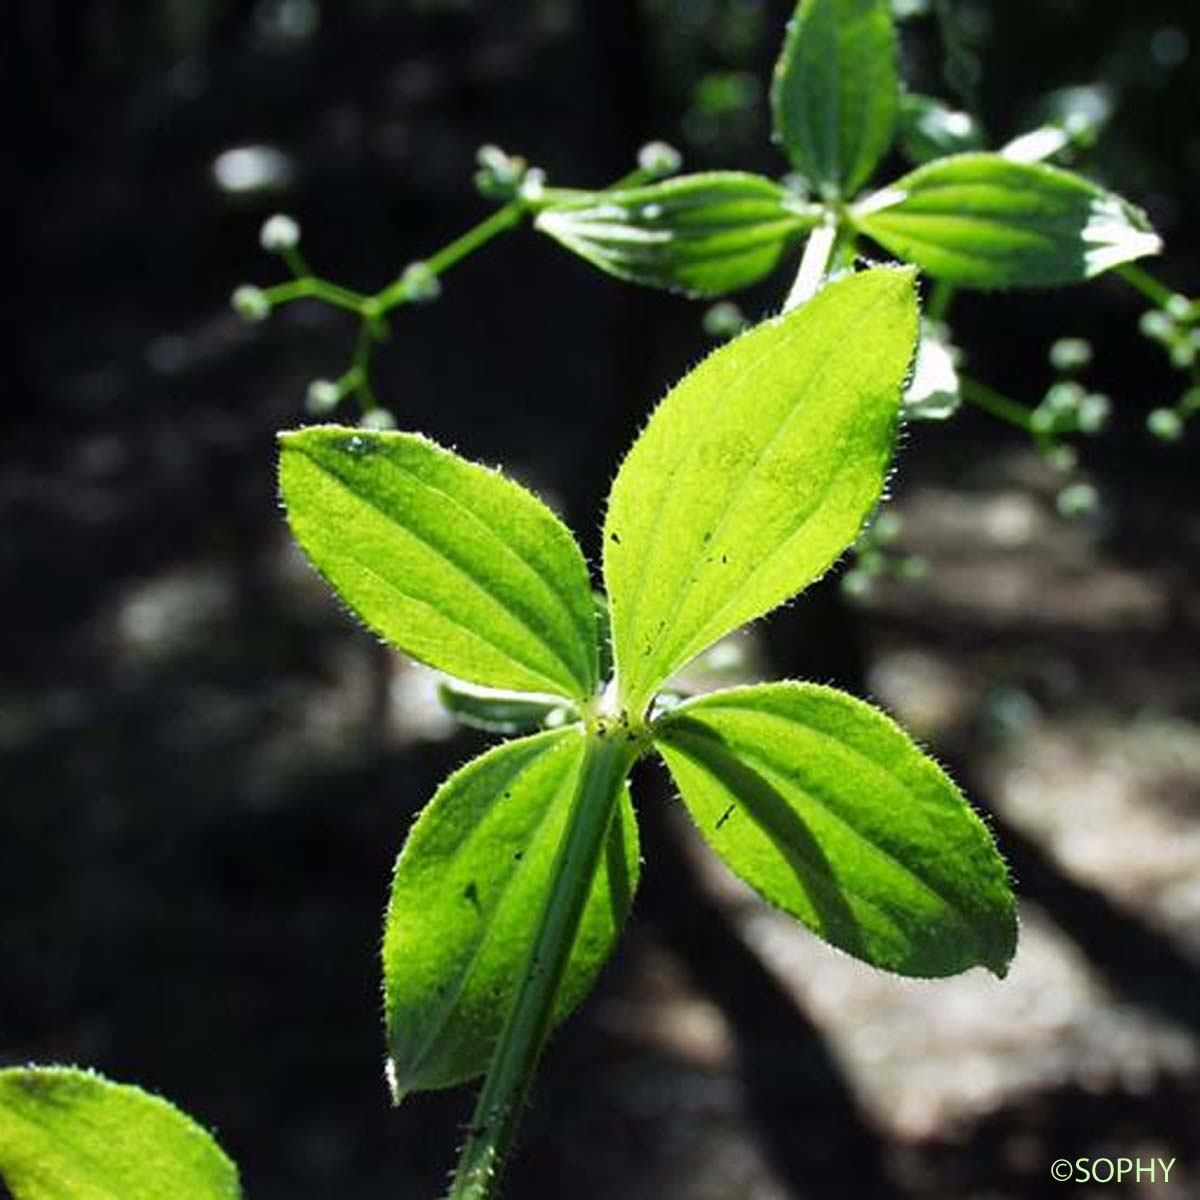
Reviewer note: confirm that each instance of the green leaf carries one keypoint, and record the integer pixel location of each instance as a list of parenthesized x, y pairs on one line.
[(704, 235), (506, 713), (930, 129), (449, 561), (835, 92), (71, 1133), (754, 474), (983, 221), (466, 898), (827, 809)]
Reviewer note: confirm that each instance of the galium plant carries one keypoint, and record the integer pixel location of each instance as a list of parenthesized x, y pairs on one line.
[(749, 481)]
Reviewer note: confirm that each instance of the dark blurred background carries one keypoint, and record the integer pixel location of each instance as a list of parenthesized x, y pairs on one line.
[(207, 770)]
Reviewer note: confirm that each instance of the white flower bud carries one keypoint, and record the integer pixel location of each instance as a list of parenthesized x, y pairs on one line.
[(251, 303), (420, 283), (279, 233), (323, 396), (658, 159), (1166, 424)]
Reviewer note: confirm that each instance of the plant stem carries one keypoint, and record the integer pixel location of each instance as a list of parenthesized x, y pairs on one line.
[(311, 287), (607, 758), (996, 404), (817, 252), (1145, 283), (499, 222), (939, 301)]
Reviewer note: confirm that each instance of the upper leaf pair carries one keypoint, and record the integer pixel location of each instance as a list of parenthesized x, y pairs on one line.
[(971, 219), (974, 219), (752, 477)]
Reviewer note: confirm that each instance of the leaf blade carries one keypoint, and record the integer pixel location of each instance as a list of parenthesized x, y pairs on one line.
[(835, 92), (985, 221), (702, 235), (754, 474), (824, 805), (67, 1132), (449, 561), (466, 897)]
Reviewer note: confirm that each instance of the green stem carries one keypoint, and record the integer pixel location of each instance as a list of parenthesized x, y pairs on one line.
[(607, 759), (499, 222), (996, 404), (817, 252), (310, 287), (1145, 283), (939, 301), (296, 262)]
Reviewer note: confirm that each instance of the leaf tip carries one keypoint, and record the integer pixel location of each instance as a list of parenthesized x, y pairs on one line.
[(1000, 948)]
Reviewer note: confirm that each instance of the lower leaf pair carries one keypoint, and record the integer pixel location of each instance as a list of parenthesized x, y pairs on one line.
[(817, 800)]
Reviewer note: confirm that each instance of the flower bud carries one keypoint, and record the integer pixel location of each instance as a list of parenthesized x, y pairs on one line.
[(1078, 500), (323, 396), (659, 159), (1165, 424), (533, 186), (1179, 308), (1094, 411), (420, 283), (724, 320), (1156, 325), (251, 303), (1070, 354), (279, 233)]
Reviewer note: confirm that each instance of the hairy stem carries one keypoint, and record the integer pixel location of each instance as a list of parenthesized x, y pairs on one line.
[(607, 759)]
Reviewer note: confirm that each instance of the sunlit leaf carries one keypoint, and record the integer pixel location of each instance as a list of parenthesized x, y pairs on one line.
[(827, 809), (468, 891), (449, 561), (984, 221), (701, 234), (67, 1134), (754, 474)]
